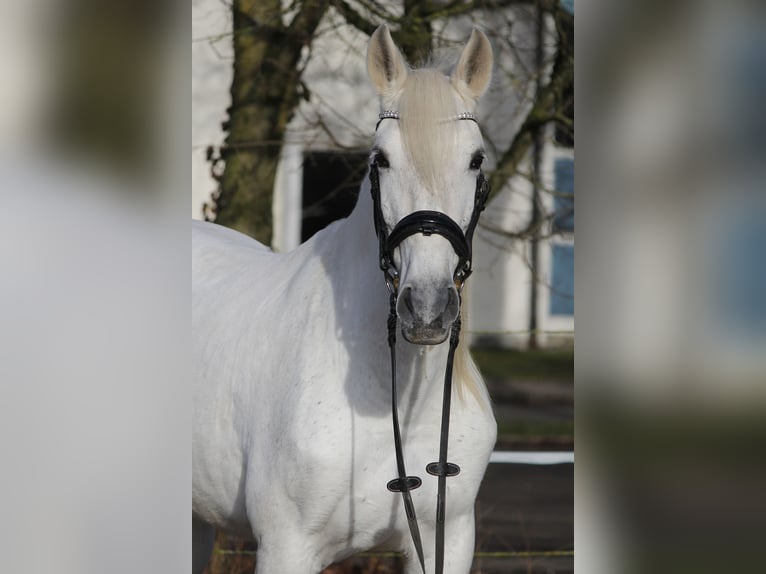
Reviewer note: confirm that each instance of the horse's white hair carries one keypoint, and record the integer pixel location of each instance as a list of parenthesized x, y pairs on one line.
[(466, 375), (426, 106)]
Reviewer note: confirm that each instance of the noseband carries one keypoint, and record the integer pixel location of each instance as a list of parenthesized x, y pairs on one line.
[(426, 223)]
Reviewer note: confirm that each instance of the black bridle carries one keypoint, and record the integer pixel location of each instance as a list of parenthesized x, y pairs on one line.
[(426, 223)]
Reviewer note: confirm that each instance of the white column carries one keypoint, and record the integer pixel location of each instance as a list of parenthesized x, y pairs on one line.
[(288, 197)]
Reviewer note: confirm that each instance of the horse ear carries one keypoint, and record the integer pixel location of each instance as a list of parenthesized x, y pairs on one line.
[(385, 63), (473, 71)]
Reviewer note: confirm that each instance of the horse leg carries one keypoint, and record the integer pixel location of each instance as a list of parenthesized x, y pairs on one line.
[(203, 536), (459, 544), (286, 554), (458, 548)]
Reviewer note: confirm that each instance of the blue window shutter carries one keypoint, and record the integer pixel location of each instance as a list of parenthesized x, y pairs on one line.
[(563, 203), (562, 280)]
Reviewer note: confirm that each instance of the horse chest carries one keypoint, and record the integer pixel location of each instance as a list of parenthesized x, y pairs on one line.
[(349, 456)]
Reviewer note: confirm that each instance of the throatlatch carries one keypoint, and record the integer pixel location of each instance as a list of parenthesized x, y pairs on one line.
[(426, 223)]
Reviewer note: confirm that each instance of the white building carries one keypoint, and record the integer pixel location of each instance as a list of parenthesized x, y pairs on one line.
[(327, 144)]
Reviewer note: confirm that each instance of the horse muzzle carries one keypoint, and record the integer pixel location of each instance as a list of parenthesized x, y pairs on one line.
[(426, 315)]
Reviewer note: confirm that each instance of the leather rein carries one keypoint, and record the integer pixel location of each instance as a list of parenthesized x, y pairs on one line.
[(426, 223)]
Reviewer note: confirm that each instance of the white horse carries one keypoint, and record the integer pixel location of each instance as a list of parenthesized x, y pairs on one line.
[(292, 440)]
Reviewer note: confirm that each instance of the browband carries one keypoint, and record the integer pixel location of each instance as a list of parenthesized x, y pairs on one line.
[(394, 115)]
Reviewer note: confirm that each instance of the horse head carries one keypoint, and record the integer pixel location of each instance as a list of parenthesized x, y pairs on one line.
[(426, 180)]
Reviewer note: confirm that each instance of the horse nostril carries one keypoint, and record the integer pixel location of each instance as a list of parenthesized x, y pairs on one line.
[(406, 306), (407, 297), (452, 308)]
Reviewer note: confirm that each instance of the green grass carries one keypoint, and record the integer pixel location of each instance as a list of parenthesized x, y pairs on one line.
[(529, 365)]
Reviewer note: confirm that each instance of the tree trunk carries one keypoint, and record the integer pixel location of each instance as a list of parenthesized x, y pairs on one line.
[(265, 92)]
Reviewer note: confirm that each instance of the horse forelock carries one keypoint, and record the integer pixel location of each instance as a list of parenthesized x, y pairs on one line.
[(427, 102)]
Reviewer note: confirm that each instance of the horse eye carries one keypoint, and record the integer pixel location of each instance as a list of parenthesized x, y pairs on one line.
[(380, 160), (476, 160)]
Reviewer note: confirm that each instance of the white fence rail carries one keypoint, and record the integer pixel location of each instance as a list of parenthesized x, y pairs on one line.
[(535, 457)]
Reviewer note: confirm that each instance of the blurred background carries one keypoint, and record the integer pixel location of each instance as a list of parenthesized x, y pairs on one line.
[(669, 364), (94, 286)]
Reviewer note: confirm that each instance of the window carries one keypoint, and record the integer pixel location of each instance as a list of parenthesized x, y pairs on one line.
[(563, 202), (331, 183), (562, 280)]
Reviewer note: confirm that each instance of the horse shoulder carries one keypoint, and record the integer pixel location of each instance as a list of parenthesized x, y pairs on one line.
[(475, 430)]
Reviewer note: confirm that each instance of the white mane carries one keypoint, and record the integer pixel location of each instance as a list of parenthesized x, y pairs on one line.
[(427, 103)]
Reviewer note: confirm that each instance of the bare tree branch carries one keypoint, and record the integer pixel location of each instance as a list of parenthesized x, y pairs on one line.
[(353, 17), (458, 8), (545, 109)]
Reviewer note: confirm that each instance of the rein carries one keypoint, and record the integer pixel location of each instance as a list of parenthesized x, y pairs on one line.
[(426, 223)]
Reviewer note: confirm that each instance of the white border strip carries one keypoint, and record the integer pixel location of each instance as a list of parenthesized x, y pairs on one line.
[(521, 457)]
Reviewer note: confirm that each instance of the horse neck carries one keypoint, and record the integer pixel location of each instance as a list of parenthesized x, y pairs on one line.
[(420, 369)]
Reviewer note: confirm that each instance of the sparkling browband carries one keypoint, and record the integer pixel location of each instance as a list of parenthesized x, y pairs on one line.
[(394, 115), (465, 116)]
